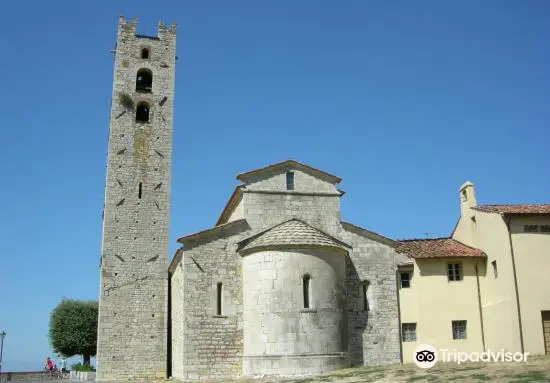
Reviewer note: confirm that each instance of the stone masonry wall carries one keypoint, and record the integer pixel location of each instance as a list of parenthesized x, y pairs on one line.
[(303, 182), (213, 344), (264, 210), (177, 315), (132, 326), (238, 213), (280, 335), (373, 335)]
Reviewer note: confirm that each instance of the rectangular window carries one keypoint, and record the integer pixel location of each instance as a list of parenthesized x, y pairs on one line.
[(408, 331), (405, 280), (459, 329), (219, 299), (531, 228), (289, 180), (454, 272), (495, 270)]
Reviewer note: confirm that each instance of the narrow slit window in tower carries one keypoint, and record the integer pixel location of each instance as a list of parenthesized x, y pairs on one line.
[(139, 191), (142, 112), (219, 299), (145, 53), (306, 282), (144, 80)]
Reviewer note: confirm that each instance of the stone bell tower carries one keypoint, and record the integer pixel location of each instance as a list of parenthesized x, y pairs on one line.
[(132, 329)]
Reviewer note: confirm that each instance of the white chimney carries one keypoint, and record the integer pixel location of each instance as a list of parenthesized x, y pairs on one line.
[(467, 199)]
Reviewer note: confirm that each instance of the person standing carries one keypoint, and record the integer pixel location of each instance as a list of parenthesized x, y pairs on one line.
[(63, 364), (49, 366)]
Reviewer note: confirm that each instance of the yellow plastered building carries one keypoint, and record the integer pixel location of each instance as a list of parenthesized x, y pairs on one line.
[(483, 288)]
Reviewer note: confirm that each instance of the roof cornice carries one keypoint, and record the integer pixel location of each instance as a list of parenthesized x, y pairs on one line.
[(216, 230), (337, 243), (233, 201), (294, 192), (520, 209), (175, 260), (369, 234), (289, 163)]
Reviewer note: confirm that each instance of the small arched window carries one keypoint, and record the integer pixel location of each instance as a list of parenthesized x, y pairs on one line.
[(144, 80), (142, 112), (145, 53), (306, 281)]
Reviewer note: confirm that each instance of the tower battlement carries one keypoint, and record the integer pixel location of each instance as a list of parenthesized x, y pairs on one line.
[(130, 28)]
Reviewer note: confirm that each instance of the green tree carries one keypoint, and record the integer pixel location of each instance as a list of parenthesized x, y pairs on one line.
[(73, 328)]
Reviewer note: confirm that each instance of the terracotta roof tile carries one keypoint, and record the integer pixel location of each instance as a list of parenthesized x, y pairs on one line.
[(437, 248), (519, 209)]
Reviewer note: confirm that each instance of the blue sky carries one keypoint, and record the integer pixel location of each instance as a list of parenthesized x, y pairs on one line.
[(403, 100)]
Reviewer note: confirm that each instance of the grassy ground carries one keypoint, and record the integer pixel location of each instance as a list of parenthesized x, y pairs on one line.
[(536, 369)]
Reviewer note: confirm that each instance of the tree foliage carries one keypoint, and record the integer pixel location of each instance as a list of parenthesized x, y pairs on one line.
[(73, 328)]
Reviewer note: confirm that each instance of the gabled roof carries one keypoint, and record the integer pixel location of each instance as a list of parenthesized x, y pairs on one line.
[(516, 209), (293, 233), (289, 164), (230, 205), (214, 231), (437, 248), (175, 260), (369, 234)]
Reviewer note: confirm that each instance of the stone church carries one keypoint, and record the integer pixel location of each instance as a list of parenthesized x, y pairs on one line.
[(280, 284)]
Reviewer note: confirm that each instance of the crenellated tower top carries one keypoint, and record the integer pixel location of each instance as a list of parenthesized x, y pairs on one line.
[(130, 28)]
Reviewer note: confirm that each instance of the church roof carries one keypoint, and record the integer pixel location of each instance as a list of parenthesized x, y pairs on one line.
[(231, 204), (516, 209), (370, 234), (292, 233), (215, 231), (289, 164), (437, 248)]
